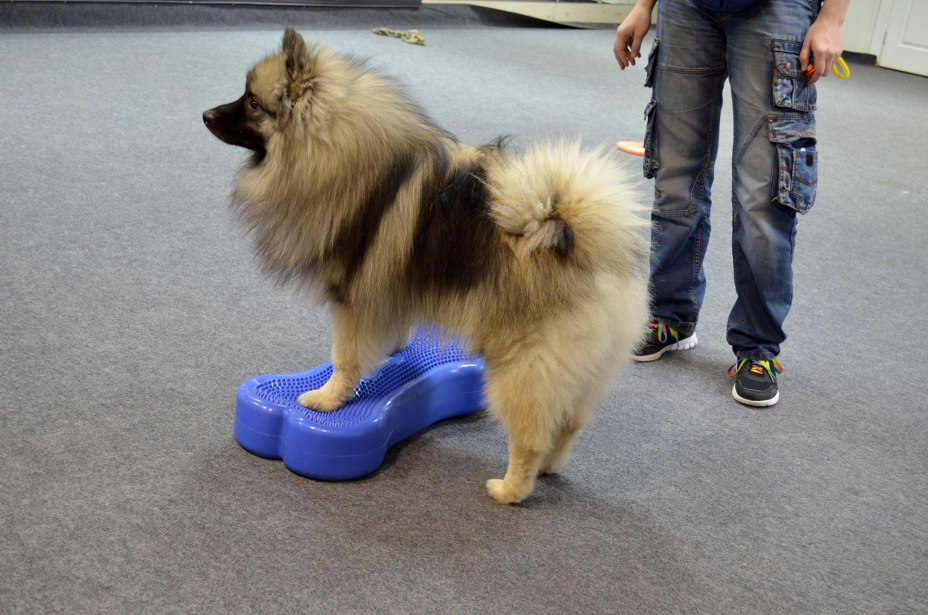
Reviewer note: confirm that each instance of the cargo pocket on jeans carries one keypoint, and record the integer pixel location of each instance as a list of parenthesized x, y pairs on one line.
[(791, 88), (797, 160), (651, 68), (652, 160)]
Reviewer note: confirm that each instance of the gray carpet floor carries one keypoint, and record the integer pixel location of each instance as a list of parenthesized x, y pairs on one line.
[(131, 308)]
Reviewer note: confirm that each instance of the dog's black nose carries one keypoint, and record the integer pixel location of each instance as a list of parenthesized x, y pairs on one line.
[(208, 117)]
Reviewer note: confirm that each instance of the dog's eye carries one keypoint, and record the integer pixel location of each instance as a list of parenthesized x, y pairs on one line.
[(253, 103)]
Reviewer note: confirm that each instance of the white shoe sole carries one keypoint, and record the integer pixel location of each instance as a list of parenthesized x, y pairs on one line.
[(684, 344), (764, 403)]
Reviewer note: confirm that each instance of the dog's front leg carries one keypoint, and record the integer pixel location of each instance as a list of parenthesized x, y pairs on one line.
[(356, 350)]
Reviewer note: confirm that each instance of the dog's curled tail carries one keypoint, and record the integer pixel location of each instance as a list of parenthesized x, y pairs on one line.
[(579, 203)]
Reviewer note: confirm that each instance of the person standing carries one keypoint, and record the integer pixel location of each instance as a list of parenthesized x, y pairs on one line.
[(772, 52)]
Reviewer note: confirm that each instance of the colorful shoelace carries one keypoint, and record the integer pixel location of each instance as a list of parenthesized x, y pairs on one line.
[(771, 368), (664, 332)]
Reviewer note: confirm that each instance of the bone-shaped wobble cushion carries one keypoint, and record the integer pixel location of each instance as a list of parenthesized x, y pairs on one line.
[(429, 381)]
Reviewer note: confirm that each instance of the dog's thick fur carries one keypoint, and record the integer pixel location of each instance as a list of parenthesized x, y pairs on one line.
[(538, 260)]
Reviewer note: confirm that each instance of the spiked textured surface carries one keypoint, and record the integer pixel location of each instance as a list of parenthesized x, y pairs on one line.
[(426, 382)]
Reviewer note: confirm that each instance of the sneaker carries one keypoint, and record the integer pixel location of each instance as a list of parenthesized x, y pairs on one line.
[(755, 382), (660, 339)]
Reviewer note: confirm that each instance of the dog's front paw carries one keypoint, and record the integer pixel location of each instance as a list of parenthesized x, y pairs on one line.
[(504, 493), (319, 400)]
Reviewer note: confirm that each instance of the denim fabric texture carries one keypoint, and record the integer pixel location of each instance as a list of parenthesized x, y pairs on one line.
[(775, 161)]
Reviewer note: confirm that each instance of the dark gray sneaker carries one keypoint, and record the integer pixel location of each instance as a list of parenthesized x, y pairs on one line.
[(660, 339), (755, 382)]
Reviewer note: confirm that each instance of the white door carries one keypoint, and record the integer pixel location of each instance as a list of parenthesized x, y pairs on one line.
[(906, 44)]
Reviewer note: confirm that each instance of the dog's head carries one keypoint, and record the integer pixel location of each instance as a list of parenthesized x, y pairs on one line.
[(275, 91)]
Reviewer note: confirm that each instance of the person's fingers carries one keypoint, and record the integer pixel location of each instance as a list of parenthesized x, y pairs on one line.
[(804, 54), (821, 68), (825, 59), (636, 47), (618, 47), (620, 57), (622, 52)]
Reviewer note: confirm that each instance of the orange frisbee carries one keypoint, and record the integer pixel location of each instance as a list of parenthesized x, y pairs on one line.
[(636, 148)]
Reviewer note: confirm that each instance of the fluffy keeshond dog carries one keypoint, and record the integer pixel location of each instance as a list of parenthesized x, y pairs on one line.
[(538, 260)]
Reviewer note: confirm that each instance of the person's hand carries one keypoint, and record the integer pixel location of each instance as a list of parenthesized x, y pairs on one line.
[(629, 34), (822, 46)]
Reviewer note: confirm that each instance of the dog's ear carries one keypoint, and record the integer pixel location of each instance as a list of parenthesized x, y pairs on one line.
[(294, 48), (297, 63)]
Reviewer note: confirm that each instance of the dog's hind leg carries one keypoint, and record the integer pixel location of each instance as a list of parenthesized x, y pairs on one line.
[(529, 412), (357, 348), (556, 458), (520, 475)]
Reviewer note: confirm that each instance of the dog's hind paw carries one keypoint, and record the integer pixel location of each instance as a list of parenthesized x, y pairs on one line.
[(554, 463), (504, 493)]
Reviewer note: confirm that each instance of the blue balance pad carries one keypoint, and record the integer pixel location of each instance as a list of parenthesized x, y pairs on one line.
[(425, 383)]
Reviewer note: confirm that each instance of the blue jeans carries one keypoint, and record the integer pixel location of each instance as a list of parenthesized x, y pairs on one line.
[(775, 163)]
